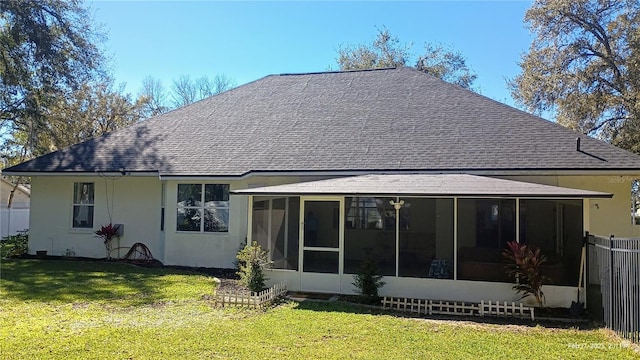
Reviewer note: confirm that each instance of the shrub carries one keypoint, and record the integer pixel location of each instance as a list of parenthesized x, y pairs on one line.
[(368, 281), (14, 245), (236, 262), (252, 261), (107, 233), (525, 266)]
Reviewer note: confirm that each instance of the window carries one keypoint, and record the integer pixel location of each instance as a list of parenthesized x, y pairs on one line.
[(635, 206), (83, 203), (203, 207), (370, 213)]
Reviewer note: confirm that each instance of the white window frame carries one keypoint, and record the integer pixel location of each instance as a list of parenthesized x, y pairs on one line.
[(88, 205)]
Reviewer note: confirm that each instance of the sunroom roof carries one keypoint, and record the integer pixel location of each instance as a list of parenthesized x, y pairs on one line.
[(462, 185)]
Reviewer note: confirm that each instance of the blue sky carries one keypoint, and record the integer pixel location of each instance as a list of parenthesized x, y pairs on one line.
[(249, 40)]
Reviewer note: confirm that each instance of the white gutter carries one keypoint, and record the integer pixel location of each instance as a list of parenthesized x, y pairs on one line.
[(338, 173), (635, 173), (71, 173)]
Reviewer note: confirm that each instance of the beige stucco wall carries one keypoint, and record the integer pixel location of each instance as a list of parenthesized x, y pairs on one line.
[(212, 249), (606, 216), (135, 202)]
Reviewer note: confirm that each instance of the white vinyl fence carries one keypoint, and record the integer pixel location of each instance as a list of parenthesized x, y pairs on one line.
[(13, 220)]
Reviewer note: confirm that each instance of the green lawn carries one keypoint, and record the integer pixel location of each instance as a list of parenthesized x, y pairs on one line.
[(72, 309)]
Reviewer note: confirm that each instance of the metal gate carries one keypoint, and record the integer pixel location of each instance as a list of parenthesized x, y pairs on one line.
[(613, 270)]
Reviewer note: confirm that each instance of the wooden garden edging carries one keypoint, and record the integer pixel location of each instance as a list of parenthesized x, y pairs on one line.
[(250, 299), (430, 307)]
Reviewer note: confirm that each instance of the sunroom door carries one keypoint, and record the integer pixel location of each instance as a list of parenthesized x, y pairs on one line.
[(321, 253)]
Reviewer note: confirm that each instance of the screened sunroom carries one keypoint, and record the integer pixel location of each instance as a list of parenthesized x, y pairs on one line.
[(432, 236)]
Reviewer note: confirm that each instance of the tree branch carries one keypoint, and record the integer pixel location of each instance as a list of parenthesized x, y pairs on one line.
[(605, 122), (600, 34)]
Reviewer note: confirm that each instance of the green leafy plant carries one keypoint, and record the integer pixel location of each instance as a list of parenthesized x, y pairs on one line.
[(14, 245), (525, 266), (236, 262), (252, 261), (368, 280), (107, 233)]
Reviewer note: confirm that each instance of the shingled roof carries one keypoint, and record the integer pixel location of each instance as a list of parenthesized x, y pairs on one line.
[(358, 121)]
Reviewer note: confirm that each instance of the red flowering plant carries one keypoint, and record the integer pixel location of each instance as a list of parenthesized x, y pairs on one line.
[(108, 233), (525, 267)]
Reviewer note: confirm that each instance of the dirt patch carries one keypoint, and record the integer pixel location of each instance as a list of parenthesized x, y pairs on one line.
[(232, 285), (229, 279)]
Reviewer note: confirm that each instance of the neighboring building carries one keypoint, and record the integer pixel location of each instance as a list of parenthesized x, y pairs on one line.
[(16, 217), (325, 169)]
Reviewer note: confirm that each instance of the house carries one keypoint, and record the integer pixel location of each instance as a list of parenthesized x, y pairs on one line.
[(16, 217), (327, 169)]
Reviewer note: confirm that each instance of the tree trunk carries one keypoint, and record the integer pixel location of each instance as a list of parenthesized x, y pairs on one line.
[(13, 191)]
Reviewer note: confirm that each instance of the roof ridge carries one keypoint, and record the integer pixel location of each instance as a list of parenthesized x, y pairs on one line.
[(339, 71)]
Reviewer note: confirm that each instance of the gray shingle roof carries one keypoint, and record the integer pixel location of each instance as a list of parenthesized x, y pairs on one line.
[(423, 184), (376, 120)]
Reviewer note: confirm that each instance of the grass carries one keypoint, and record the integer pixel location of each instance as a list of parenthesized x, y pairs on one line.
[(98, 310)]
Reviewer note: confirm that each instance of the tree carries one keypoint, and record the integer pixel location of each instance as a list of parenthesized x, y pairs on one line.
[(185, 91), (222, 83), (448, 65), (252, 260), (208, 87), (154, 94), (47, 48), (92, 111), (87, 112), (583, 67), (368, 280), (387, 51)]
